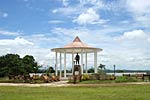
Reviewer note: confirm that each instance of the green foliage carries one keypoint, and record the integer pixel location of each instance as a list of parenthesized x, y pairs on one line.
[(125, 79), (85, 77), (119, 71), (91, 70), (9, 64), (50, 70), (101, 66), (12, 64), (101, 72), (29, 64)]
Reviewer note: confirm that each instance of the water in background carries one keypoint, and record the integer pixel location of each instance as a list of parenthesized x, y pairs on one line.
[(120, 74)]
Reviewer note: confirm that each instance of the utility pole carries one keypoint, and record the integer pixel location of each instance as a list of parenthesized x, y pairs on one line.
[(114, 70)]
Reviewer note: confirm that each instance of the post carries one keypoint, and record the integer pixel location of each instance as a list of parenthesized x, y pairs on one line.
[(65, 64), (86, 61), (114, 70), (60, 71), (56, 73), (72, 62), (82, 62), (95, 62)]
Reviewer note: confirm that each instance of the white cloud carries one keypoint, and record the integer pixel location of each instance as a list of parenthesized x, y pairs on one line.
[(5, 32), (69, 10), (24, 47), (148, 39), (89, 17), (139, 6), (55, 21), (124, 22), (65, 2), (140, 10), (114, 52), (3, 14), (92, 2), (54, 10), (133, 35), (16, 41), (132, 48), (122, 56)]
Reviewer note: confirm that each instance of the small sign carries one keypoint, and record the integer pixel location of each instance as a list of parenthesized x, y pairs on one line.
[(76, 68), (76, 72)]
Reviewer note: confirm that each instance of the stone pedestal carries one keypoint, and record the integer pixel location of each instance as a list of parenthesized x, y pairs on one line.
[(77, 73)]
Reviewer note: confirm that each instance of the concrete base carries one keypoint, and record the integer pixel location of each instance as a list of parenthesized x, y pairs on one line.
[(64, 79)]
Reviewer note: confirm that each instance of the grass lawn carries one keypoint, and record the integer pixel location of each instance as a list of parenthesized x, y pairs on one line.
[(97, 81), (126, 92)]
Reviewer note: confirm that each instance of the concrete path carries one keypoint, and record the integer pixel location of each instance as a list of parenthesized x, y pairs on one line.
[(53, 84), (65, 84)]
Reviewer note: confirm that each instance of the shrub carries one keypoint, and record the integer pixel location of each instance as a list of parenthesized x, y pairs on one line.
[(85, 77), (125, 79)]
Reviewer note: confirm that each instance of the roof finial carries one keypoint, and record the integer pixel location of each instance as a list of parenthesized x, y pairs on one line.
[(77, 39)]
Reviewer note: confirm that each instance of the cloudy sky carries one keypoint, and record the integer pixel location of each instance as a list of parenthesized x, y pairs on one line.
[(120, 27)]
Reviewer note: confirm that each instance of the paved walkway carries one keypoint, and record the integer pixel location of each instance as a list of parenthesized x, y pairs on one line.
[(53, 84), (65, 84)]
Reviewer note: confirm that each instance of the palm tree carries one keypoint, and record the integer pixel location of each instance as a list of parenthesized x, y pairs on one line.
[(101, 66)]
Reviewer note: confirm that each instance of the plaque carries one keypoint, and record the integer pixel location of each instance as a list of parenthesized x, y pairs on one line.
[(76, 72)]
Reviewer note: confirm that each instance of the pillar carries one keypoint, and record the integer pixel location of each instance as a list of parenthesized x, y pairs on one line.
[(86, 62), (72, 62), (82, 62), (95, 61), (56, 70), (65, 64), (60, 67)]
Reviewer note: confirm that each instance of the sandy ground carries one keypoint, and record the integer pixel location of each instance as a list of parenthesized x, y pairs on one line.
[(65, 84)]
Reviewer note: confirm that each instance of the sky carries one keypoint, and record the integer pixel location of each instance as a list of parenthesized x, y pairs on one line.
[(120, 27)]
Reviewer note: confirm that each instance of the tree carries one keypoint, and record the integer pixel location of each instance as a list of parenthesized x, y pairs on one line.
[(51, 70), (10, 64), (101, 66), (29, 64), (91, 70)]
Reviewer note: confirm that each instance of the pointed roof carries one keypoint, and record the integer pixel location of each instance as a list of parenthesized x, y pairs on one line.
[(77, 39), (76, 46), (77, 43)]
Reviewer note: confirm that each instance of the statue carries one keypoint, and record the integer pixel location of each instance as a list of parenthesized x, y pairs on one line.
[(77, 58)]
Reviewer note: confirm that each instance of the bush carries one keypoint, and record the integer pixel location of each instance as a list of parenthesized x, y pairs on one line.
[(85, 77), (2, 74), (124, 79)]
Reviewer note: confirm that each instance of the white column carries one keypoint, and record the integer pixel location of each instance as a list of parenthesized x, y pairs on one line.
[(65, 64), (72, 62), (56, 72), (81, 61), (60, 66), (86, 61), (95, 61)]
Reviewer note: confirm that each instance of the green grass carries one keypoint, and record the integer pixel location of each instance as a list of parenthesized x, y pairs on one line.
[(126, 92), (97, 81)]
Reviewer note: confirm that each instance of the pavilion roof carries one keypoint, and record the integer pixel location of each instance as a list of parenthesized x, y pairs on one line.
[(77, 43), (76, 46)]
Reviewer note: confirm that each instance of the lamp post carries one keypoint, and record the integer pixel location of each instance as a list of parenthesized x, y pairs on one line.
[(83, 68), (55, 70), (114, 70)]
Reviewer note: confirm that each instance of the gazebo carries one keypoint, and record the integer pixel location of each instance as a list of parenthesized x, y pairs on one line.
[(77, 46)]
